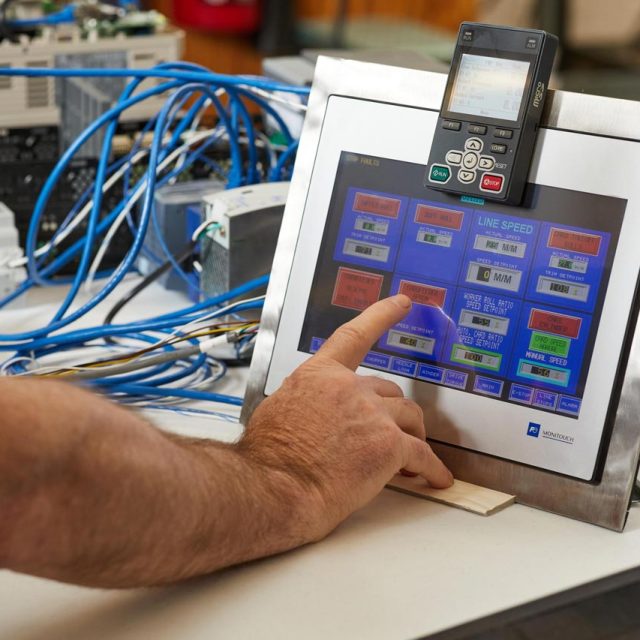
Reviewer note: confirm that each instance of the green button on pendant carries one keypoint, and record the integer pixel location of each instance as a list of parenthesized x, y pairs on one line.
[(440, 173)]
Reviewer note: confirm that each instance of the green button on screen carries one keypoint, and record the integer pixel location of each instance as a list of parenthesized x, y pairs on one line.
[(440, 173), (549, 344)]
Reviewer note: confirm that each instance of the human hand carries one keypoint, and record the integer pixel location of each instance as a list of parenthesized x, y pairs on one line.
[(338, 436)]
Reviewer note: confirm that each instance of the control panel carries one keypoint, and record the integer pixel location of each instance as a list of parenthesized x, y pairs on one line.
[(513, 341), (505, 299), (489, 117), (521, 343)]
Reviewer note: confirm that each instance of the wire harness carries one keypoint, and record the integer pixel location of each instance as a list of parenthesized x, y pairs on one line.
[(166, 359)]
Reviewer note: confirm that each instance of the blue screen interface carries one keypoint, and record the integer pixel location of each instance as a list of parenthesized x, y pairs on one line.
[(506, 300)]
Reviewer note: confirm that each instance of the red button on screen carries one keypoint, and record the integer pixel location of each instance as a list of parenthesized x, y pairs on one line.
[(423, 293), (552, 322), (439, 216), (356, 289), (491, 182), (574, 241)]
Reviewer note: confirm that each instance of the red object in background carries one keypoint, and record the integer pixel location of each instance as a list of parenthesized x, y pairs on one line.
[(232, 16)]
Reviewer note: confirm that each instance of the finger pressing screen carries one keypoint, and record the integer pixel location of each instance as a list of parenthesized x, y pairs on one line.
[(351, 342)]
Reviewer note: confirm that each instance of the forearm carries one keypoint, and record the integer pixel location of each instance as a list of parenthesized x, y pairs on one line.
[(92, 494)]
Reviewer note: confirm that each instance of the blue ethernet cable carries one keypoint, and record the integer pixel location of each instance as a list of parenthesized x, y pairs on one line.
[(82, 336), (105, 114), (93, 218), (155, 154), (252, 175), (182, 126), (171, 378), (199, 362), (144, 218), (158, 155), (244, 81), (64, 161), (65, 257), (285, 156), (108, 139), (140, 377), (185, 122), (230, 128), (239, 113), (152, 376), (68, 255), (240, 290), (190, 394), (132, 335), (190, 159), (90, 234), (179, 131), (64, 16), (236, 163), (261, 102), (82, 200), (209, 78), (123, 384)]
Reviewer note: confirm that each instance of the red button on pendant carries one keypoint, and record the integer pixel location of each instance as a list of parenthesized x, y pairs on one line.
[(491, 182)]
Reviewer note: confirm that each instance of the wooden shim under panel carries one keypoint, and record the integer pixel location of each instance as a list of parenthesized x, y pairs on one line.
[(462, 495)]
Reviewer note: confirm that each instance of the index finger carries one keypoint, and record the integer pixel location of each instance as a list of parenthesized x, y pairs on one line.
[(350, 343)]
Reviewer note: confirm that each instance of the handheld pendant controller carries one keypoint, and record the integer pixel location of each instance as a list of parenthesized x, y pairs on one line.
[(486, 131)]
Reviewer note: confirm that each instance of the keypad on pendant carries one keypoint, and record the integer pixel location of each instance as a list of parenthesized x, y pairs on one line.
[(469, 161), (470, 165)]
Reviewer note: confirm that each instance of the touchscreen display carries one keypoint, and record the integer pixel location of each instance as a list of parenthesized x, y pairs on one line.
[(507, 300), (489, 87)]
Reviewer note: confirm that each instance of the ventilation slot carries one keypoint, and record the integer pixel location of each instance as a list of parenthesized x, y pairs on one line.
[(38, 88), (144, 60), (5, 81)]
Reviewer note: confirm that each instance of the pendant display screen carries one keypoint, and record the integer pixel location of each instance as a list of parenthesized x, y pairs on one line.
[(489, 87)]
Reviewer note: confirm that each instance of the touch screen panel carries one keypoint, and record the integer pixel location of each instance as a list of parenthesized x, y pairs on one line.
[(507, 301), (518, 326)]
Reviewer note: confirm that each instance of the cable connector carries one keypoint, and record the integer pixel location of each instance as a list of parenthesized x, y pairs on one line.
[(231, 337)]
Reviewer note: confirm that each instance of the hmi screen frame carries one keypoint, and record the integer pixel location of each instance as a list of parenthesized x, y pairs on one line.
[(604, 501)]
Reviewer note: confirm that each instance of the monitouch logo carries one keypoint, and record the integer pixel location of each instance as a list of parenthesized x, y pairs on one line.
[(533, 430), (558, 437)]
